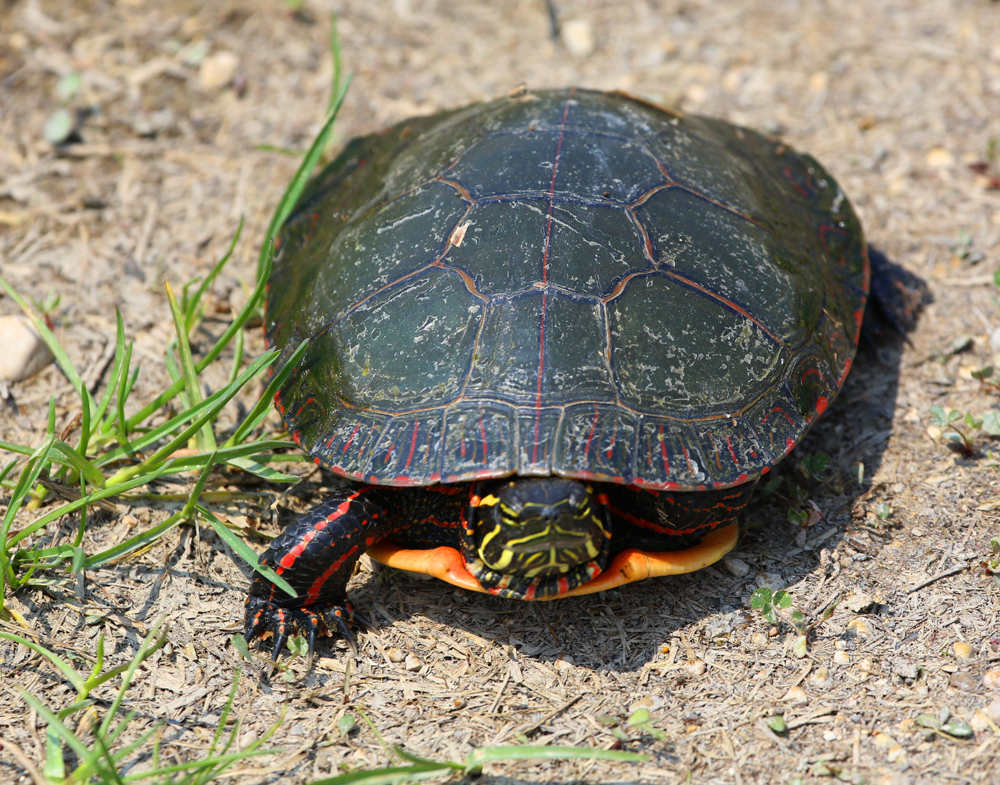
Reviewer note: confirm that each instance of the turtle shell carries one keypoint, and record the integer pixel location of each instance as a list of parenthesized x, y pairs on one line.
[(565, 283)]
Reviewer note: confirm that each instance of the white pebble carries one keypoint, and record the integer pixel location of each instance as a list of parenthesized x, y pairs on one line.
[(217, 70), (578, 38), (737, 567), (24, 352)]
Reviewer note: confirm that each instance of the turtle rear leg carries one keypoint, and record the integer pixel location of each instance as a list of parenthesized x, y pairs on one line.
[(316, 555), (897, 294)]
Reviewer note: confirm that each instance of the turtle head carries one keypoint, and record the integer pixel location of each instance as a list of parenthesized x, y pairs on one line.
[(533, 538)]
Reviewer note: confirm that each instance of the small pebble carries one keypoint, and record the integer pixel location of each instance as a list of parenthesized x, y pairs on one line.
[(650, 703), (841, 658), (896, 753), (859, 627), (963, 651), (993, 711), (395, 655), (247, 738), (695, 668), (964, 681), (759, 639), (939, 158), (217, 70), (991, 679), (884, 740), (737, 567), (796, 695), (563, 662), (578, 37), (980, 721), (905, 669), (859, 601), (770, 580), (412, 662), (820, 677), (24, 352)]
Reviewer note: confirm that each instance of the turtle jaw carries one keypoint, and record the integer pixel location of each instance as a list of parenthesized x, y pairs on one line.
[(548, 566)]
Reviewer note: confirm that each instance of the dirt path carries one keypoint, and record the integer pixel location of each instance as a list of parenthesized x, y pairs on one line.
[(183, 111)]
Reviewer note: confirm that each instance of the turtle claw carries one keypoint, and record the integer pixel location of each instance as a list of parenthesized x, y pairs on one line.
[(279, 644)]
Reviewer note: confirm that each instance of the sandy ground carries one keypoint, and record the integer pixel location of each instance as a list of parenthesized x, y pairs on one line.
[(183, 111)]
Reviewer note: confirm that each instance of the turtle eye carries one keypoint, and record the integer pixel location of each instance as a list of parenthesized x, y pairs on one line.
[(578, 495)]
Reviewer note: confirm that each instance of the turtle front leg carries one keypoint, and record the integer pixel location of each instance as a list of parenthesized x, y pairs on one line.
[(316, 554)]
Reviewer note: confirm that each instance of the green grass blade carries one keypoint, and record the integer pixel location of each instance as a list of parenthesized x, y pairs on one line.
[(124, 388), (234, 371), (72, 506), (64, 667), (338, 65), (262, 470), (263, 406), (204, 438), (116, 367), (474, 760), (212, 275), (298, 183), (224, 716), (109, 773), (150, 437), (220, 762), (86, 408), (199, 486), (57, 726), (147, 537), (227, 336), (84, 467), (220, 401), (21, 449), (226, 454), (25, 482), (155, 638), (245, 552), (389, 776)]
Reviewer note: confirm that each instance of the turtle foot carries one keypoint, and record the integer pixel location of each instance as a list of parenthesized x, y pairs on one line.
[(265, 617)]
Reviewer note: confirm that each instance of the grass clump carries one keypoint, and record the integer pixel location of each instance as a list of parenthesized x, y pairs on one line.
[(98, 746)]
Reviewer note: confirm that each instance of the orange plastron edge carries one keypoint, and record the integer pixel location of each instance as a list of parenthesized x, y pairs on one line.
[(630, 565)]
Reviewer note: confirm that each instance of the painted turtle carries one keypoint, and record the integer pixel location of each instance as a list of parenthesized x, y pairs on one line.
[(554, 341)]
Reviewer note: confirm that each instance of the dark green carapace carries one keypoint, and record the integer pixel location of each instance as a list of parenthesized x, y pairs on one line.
[(566, 283), (585, 325)]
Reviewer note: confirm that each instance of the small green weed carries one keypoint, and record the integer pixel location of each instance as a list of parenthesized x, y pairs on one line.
[(963, 439), (776, 607)]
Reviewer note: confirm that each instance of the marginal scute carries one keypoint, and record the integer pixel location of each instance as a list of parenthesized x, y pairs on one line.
[(479, 441), (409, 449), (565, 282), (734, 450), (536, 436), (598, 441), (347, 440)]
